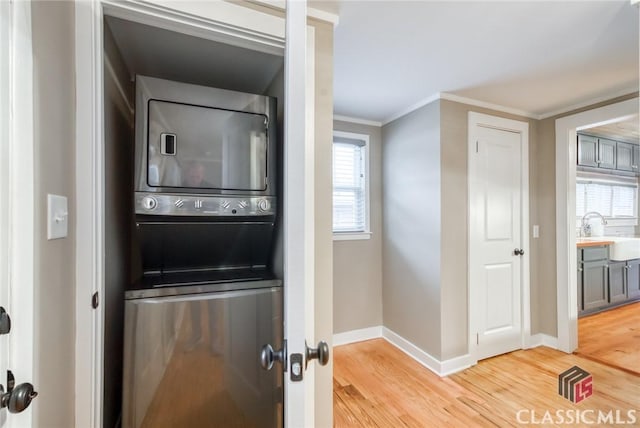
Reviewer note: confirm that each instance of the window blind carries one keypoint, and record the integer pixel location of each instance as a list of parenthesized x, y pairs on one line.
[(609, 198), (349, 203)]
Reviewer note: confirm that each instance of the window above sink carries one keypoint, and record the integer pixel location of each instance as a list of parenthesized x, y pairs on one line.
[(615, 197)]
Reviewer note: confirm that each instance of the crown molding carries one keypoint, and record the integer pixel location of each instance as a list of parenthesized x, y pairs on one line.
[(491, 106), (626, 91), (416, 106), (509, 110), (356, 120)]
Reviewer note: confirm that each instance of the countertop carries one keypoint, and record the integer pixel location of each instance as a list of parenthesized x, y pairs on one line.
[(592, 242)]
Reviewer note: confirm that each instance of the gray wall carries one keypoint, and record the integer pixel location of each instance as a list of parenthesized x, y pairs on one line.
[(54, 131), (455, 247), (411, 217), (357, 265), (425, 217), (119, 222)]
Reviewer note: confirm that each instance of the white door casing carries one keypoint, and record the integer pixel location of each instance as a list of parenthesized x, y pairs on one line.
[(208, 20), (498, 224), (17, 178), (5, 67), (566, 274)]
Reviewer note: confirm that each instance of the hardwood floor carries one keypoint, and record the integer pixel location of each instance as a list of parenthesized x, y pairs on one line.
[(612, 337), (377, 385)]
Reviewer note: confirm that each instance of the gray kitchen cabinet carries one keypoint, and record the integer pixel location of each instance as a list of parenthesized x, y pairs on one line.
[(633, 279), (603, 153), (594, 285), (604, 283), (587, 150), (616, 281), (624, 156), (606, 154)]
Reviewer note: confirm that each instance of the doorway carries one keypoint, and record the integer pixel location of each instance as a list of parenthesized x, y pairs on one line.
[(498, 239), (249, 29), (566, 154)]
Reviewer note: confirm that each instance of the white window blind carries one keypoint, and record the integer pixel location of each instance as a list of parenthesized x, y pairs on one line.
[(349, 185), (611, 198)]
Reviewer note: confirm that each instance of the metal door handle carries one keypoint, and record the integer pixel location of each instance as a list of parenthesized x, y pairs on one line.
[(17, 398), (268, 356), (5, 321), (321, 353), (518, 252)]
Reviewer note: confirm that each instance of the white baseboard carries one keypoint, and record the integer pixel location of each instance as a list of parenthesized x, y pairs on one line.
[(441, 368), (542, 339), (359, 335)]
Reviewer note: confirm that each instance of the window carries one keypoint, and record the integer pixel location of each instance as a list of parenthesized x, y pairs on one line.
[(616, 198), (350, 186)]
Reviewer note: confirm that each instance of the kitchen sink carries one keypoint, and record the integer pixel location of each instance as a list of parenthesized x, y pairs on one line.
[(622, 248), (625, 249)]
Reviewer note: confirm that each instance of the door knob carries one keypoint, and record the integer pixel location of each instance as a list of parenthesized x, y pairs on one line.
[(268, 356), (321, 353), (518, 252), (17, 398), (5, 321)]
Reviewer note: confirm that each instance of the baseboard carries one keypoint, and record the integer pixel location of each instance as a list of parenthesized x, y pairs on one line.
[(441, 368), (542, 339), (359, 335)]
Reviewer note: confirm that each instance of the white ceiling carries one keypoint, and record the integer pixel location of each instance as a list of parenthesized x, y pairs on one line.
[(532, 56)]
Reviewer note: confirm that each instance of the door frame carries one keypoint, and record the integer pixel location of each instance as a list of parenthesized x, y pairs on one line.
[(522, 128), (18, 202), (566, 271), (230, 23)]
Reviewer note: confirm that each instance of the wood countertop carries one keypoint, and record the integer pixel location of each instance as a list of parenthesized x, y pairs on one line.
[(591, 242)]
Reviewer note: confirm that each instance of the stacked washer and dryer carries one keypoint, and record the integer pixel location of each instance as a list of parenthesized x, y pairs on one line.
[(208, 301)]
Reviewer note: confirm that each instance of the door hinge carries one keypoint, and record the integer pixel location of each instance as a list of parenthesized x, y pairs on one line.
[(95, 301), (477, 338), (476, 146)]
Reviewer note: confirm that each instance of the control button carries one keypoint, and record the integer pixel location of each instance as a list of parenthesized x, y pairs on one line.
[(225, 204), (242, 204), (197, 204), (149, 203), (179, 203), (264, 205)]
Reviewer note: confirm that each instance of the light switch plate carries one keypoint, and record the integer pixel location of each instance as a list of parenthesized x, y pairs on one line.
[(536, 231), (57, 217)]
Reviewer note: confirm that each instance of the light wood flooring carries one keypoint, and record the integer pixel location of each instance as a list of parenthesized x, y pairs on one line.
[(377, 385), (612, 337)]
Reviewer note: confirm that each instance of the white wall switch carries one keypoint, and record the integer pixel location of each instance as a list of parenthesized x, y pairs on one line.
[(536, 231), (57, 217)]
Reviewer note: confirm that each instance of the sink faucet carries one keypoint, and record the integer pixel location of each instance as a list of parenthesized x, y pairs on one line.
[(585, 227)]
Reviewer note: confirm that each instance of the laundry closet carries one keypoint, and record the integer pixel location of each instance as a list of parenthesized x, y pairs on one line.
[(193, 238)]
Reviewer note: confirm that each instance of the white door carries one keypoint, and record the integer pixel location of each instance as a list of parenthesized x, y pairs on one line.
[(298, 215), (16, 200), (496, 242), (5, 26)]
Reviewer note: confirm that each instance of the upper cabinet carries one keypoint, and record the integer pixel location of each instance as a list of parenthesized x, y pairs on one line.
[(587, 150), (624, 157), (608, 154)]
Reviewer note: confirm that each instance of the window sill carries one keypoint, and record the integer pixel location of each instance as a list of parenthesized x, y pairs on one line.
[(351, 236)]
